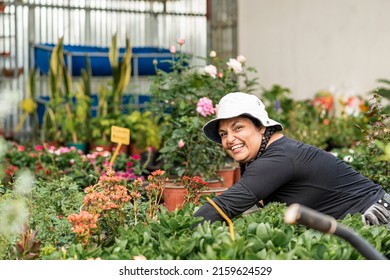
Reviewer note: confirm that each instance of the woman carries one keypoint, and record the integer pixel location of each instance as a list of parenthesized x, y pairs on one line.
[(275, 168)]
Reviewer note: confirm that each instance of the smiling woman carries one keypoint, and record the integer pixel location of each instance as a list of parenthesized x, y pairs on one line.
[(275, 168), (241, 137)]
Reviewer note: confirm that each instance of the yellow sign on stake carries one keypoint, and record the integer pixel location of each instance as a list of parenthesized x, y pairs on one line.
[(121, 136)]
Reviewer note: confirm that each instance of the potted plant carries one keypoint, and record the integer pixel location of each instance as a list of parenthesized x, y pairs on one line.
[(67, 111), (110, 98), (144, 130), (183, 99)]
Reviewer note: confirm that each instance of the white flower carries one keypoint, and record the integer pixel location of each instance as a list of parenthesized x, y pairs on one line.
[(211, 70), (213, 54), (235, 65), (13, 217), (241, 59), (348, 158), (24, 182)]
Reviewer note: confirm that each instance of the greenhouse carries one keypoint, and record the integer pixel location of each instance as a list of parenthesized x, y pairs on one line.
[(183, 130)]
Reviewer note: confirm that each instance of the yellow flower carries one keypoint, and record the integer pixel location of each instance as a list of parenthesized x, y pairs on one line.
[(28, 105)]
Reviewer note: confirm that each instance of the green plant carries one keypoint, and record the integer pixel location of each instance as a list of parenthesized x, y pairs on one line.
[(384, 91), (367, 152), (188, 152), (144, 129), (121, 73), (51, 202), (110, 95), (175, 97), (67, 111)]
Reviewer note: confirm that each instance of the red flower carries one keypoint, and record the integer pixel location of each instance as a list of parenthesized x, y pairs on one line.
[(136, 157), (38, 148)]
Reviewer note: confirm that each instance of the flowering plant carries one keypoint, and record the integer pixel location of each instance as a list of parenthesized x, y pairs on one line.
[(154, 191), (104, 209), (194, 186), (183, 99), (188, 152)]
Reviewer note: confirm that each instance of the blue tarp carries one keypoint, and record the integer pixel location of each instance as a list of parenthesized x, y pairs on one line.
[(100, 64)]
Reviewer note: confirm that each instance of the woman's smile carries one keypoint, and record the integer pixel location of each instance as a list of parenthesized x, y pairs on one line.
[(240, 138)]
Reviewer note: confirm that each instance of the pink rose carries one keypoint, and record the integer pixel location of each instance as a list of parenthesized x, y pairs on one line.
[(181, 41), (181, 143), (205, 106)]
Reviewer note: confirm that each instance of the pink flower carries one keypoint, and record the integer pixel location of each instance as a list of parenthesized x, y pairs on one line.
[(181, 143), (181, 41), (136, 157), (20, 148), (205, 107), (172, 49), (211, 70), (38, 148)]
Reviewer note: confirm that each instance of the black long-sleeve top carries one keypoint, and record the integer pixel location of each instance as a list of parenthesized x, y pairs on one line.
[(293, 172)]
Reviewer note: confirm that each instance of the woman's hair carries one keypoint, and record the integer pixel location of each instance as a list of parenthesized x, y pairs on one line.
[(255, 121)]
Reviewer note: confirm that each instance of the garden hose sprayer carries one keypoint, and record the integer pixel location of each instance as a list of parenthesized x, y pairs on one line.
[(299, 214)]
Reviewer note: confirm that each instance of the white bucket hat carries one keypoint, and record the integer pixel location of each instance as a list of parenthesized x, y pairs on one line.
[(236, 104)]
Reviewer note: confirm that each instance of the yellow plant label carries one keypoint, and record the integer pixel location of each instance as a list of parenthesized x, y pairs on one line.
[(120, 135)]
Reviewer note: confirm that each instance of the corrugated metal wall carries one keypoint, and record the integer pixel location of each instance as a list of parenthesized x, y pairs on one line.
[(23, 24)]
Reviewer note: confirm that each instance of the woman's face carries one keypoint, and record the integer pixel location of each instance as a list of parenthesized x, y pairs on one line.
[(240, 138)]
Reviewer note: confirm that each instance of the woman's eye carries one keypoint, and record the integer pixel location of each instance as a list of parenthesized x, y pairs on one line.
[(222, 134), (237, 128)]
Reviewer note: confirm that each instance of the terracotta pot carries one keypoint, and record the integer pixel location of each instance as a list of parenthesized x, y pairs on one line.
[(50, 144), (133, 150), (122, 150), (12, 72), (174, 196), (237, 174), (227, 176), (214, 184), (104, 147), (216, 191)]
